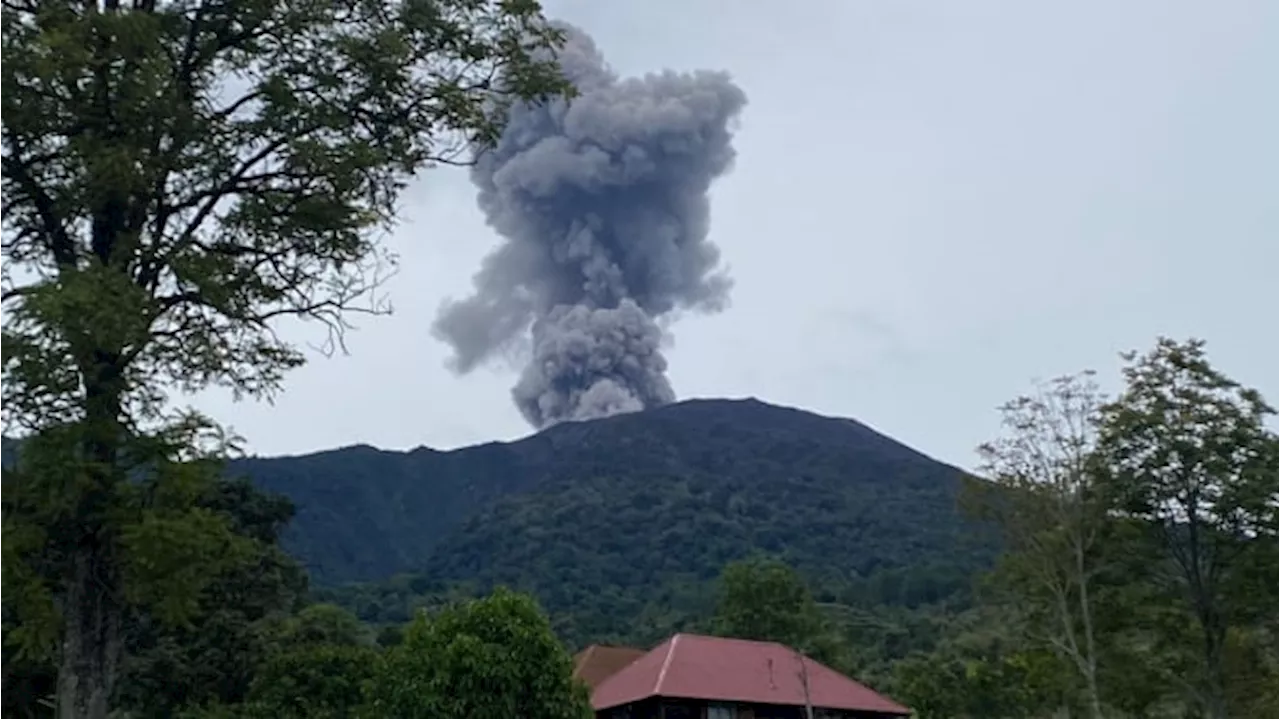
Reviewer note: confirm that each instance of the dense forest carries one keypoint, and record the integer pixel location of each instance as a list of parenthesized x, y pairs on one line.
[(715, 479), (367, 514), (638, 514)]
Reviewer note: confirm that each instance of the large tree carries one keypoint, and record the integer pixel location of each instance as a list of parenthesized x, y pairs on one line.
[(1186, 452), (213, 655), (490, 658), (179, 176)]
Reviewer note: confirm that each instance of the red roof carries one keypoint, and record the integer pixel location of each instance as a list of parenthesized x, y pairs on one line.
[(599, 662), (690, 666)]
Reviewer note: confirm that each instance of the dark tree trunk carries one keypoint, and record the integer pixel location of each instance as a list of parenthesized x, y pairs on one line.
[(1215, 635)]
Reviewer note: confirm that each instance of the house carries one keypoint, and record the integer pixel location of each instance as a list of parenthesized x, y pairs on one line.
[(690, 676)]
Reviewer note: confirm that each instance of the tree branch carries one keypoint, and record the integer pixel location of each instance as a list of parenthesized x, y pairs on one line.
[(19, 171)]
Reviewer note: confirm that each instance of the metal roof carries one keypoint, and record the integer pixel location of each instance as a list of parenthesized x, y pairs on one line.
[(691, 666), (599, 662)]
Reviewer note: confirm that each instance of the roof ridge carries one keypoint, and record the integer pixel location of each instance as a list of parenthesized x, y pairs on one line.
[(718, 638), (666, 664), (583, 659)]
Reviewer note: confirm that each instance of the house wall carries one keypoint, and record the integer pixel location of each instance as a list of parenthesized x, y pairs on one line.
[(647, 709)]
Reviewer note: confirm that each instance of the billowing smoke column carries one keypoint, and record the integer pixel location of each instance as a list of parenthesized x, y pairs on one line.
[(602, 205)]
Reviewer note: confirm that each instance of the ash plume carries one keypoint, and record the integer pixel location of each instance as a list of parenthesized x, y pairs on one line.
[(603, 210)]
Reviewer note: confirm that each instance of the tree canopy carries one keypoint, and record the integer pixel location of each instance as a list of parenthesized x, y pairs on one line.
[(766, 600), (178, 177), (491, 658)]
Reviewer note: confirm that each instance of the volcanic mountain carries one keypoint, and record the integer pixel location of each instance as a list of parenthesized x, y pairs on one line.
[(680, 490)]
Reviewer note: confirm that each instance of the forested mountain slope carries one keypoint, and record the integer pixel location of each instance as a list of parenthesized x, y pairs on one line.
[(629, 499)]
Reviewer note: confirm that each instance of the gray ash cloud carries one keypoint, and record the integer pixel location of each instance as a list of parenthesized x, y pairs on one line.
[(603, 209)]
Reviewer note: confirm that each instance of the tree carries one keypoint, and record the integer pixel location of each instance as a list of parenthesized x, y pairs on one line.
[(323, 624), (766, 600), (28, 684), (317, 681), (1186, 451), (213, 656), (954, 684), (490, 658), (1046, 503), (178, 177)]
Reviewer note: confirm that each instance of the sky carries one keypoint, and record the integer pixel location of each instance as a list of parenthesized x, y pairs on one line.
[(934, 204)]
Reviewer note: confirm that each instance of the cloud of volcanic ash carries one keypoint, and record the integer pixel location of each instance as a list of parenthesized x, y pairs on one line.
[(603, 210)]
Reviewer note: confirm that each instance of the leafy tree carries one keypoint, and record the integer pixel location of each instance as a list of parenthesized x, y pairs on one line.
[(1143, 630), (312, 682), (1045, 501), (953, 685), (1186, 451), (28, 685), (323, 624), (766, 600), (178, 176), (389, 636), (490, 658), (213, 656)]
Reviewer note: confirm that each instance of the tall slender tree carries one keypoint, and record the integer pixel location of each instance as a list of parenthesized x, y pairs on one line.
[(1051, 517), (178, 177)]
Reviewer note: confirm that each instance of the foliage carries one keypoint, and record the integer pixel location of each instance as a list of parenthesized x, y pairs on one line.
[(211, 657), (167, 543), (1186, 451), (903, 628), (322, 624), (616, 560), (736, 474), (28, 684), (177, 176), (313, 682), (1052, 520), (766, 600), (490, 658), (959, 685), (620, 527)]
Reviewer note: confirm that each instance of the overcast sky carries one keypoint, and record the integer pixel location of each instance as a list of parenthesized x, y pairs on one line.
[(934, 204)]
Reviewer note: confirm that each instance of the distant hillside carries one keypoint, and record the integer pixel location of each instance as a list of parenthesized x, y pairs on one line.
[(681, 489)]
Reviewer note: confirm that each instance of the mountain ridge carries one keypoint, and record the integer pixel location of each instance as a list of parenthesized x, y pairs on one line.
[(365, 514), (744, 401)]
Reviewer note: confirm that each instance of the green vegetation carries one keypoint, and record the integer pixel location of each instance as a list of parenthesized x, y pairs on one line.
[(178, 177), (630, 556), (713, 479), (1087, 608), (489, 659), (1139, 576)]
